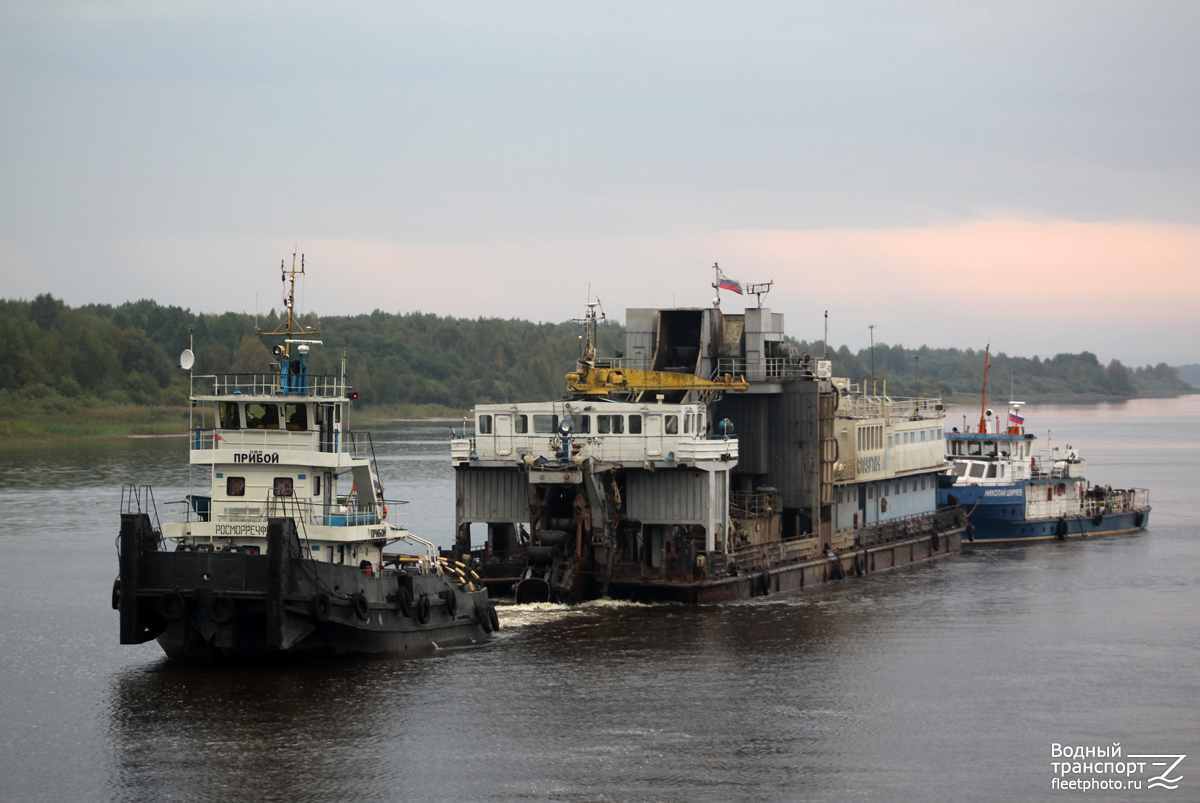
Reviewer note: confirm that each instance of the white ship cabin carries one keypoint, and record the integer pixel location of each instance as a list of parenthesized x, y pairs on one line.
[(618, 433), (889, 453), (991, 458), (278, 446)]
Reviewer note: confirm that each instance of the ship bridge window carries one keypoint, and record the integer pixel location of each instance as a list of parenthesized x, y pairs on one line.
[(235, 486), (297, 417), (989, 448), (610, 424), (671, 425), (545, 423), (484, 427), (283, 486), (958, 470), (635, 424), (977, 470), (229, 415), (521, 424), (262, 416), (581, 424), (991, 472), (974, 449)]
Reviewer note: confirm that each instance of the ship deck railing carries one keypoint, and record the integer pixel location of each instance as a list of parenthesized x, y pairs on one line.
[(893, 409), (327, 386), (347, 512), (759, 557), (624, 448), (754, 505), (354, 443)]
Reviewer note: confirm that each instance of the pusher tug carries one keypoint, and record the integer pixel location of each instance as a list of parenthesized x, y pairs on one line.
[(1013, 494), (285, 553)]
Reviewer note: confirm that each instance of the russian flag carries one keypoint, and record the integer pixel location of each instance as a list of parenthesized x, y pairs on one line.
[(1013, 418), (730, 284)]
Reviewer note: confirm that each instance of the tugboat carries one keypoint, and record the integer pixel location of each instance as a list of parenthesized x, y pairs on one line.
[(1013, 494), (637, 486), (284, 555)]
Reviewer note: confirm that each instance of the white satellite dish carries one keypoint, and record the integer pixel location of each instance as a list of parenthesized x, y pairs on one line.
[(187, 360)]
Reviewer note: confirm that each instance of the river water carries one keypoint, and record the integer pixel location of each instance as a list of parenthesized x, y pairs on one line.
[(947, 682)]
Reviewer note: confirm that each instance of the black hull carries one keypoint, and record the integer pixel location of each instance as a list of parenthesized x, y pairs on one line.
[(744, 574), (234, 607)]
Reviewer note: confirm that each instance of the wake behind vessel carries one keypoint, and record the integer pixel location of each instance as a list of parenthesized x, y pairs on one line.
[(1013, 493), (284, 552), (711, 462)]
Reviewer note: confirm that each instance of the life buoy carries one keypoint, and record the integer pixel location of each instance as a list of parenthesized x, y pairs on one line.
[(222, 609), (423, 609), (362, 609), (385, 511), (856, 521), (321, 606), (883, 504)]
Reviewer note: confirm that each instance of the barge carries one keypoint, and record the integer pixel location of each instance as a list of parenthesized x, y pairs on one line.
[(710, 461)]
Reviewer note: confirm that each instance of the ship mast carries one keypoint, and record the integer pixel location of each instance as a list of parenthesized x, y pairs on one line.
[(290, 324), (983, 404)]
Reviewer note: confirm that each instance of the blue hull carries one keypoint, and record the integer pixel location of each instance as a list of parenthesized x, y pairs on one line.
[(995, 515)]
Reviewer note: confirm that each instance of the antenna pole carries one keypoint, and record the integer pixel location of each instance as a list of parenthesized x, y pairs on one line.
[(872, 328), (983, 405), (825, 342)]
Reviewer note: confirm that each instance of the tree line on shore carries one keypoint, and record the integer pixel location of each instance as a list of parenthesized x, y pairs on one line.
[(54, 357)]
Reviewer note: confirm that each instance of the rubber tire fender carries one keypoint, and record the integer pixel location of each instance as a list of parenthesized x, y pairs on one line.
[(222, 609), (423, 609), (171, 606), (483, 610), (451, 601), (322, 606), (406, 602), (362, 609)]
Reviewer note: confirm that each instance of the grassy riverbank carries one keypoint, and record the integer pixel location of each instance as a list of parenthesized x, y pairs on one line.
[(127, 421), (91, 424)]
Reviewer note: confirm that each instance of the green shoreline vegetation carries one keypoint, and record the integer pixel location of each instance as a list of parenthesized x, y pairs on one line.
[(101, 372)]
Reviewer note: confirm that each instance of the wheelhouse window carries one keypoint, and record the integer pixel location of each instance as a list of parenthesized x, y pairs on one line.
[(545, 423), (635, 424), (230, 417), (283, 486), (521, 424), (297, 417), (611, 424), (671, 424), (581, 424), (958, 470), (235, 486), (485, 425), (977, 470), (262, 416)]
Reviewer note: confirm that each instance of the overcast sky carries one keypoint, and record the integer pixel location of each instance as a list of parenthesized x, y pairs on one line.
[(1024, 173)]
